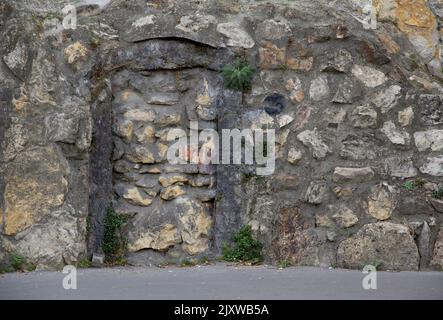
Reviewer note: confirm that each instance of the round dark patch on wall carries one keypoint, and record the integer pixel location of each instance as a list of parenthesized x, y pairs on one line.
[(274, 103)]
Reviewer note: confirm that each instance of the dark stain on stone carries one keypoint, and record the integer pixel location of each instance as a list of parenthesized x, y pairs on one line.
[(274, 103)]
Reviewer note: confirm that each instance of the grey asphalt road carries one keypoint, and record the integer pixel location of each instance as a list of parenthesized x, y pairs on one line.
[(221, 281)]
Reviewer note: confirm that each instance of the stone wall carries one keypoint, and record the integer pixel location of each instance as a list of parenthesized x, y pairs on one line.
[(358, 114), (171, 204)]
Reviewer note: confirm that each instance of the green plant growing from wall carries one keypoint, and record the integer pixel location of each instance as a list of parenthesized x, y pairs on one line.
[(419, 182), (412, 184), (218, 197), (84, 263), (88, 224), (204, 260), (187, 263), (19, 263), (284, 264), (438, 194), (408, 185), (245, 247), (113, 241), (238, 76), (5, 269), (373, 263), (413, 63)]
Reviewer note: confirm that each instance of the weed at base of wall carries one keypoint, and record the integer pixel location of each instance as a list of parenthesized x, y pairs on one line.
[(245, 247), (114, 243)]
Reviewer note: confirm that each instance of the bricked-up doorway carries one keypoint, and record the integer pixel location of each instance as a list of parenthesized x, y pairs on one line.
[(170, 208)]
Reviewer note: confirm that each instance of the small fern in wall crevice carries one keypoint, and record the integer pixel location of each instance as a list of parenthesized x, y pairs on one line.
[(238, 76)]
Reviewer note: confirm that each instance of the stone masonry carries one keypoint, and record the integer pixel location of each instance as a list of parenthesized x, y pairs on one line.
[(358, 114)]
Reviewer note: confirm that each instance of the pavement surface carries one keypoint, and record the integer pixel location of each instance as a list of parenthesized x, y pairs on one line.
[(221, 281)]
